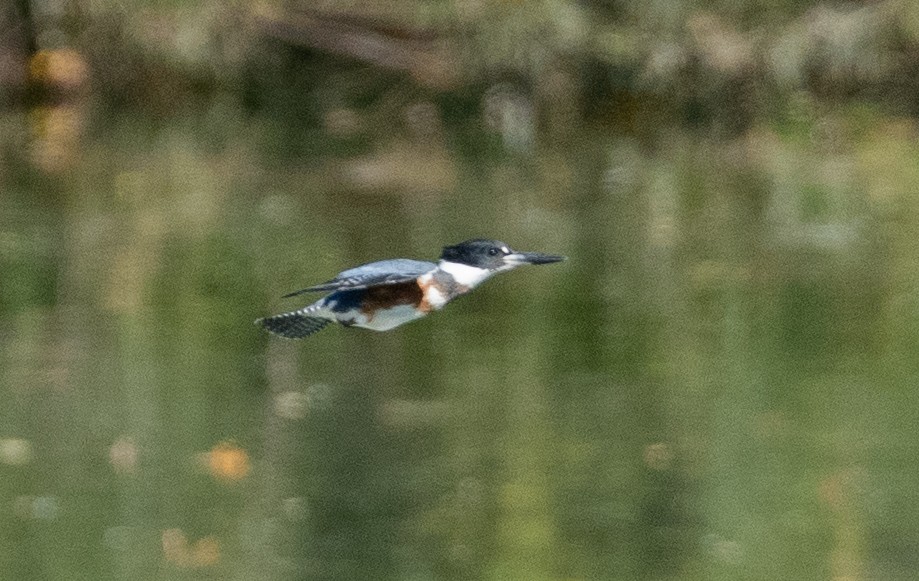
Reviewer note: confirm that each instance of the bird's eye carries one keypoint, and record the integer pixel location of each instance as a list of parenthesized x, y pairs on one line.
[(492, 251)]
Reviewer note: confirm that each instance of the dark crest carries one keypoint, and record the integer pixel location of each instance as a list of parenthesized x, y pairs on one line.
[(480, 252)]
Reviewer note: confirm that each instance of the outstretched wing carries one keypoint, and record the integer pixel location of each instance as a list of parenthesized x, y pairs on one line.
[(380, 273)]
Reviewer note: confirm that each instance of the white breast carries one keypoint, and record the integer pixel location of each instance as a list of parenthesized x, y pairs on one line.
[(433, 295), (468, 276), (435, 298)]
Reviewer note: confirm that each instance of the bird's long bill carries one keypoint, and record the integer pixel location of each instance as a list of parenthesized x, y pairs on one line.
[(533, 258)]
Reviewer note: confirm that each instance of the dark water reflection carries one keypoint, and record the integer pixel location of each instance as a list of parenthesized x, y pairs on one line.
[(719, 383)]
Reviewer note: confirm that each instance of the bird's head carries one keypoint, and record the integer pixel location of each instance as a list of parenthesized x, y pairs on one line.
[(473, 261)]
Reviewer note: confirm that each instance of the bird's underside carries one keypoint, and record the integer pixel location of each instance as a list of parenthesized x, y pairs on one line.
[(381, 307)]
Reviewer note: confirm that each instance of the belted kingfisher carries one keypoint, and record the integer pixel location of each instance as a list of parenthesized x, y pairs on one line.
[(383, 295)]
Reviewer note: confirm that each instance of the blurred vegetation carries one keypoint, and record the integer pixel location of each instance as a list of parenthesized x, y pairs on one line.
[(623, 62)]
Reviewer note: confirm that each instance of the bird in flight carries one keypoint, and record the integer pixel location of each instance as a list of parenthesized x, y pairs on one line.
[(385, 294)]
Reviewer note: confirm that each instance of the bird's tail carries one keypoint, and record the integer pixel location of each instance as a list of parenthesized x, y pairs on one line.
[(293, 325)]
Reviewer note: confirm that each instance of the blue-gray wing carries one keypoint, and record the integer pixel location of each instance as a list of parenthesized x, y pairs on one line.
[(379, 273)]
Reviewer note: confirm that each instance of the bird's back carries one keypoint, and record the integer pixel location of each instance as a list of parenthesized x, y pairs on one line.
[(404, 266)]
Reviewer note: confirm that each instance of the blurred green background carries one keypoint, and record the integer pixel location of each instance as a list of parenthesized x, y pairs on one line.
[(721, 382)]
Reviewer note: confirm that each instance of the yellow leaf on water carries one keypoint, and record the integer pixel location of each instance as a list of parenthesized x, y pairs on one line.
[(228, 461)]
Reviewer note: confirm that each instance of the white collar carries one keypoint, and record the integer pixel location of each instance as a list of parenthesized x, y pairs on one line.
[(468, 276)]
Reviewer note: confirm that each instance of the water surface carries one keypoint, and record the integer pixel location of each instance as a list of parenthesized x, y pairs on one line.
[(718, 384)]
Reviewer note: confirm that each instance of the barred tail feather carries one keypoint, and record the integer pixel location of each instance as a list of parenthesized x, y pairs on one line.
[(293, 325)]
